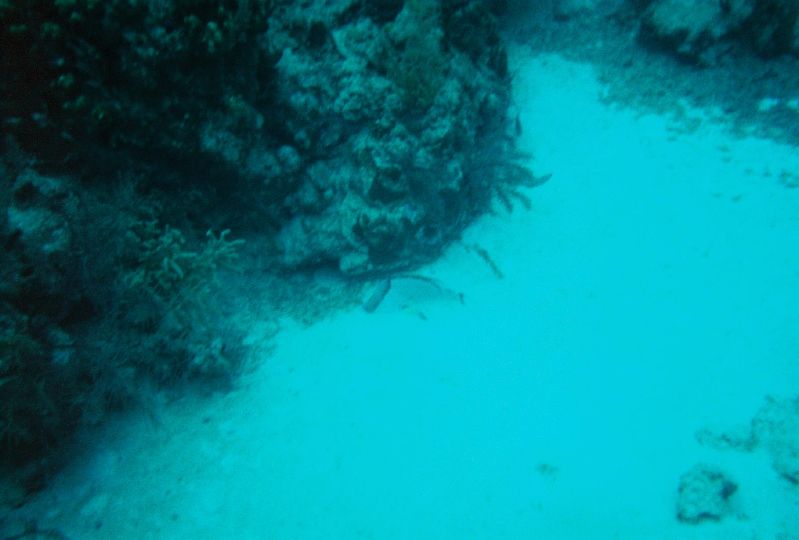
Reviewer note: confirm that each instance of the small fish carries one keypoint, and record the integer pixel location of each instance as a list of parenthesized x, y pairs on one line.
[(380, 292)]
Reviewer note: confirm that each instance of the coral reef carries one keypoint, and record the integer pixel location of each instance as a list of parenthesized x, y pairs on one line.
[(413, 98), (349, 128), (703, 32), (143, 140)]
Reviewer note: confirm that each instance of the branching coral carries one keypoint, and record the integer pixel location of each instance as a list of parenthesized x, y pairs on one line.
[(172, 272)]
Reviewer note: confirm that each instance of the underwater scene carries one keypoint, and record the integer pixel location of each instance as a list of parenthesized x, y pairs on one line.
[(399, 269)]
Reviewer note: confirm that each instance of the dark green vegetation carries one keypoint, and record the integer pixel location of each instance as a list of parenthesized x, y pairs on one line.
[(91, 83), (144, 138)]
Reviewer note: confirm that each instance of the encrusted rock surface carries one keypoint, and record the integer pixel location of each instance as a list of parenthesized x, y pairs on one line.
[(704, 494)]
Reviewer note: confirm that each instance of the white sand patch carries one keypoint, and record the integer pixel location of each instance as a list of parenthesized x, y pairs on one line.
[(651, 291)]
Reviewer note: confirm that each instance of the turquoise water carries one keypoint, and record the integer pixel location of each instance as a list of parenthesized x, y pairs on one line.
[(650, 292)]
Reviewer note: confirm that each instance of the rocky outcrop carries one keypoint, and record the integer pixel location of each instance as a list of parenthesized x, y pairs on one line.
[(387, 115), (702, 32), (353, 134), (351, 131)]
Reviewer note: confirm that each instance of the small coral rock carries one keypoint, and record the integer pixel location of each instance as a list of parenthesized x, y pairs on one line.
[(776, 427), (704, 494)]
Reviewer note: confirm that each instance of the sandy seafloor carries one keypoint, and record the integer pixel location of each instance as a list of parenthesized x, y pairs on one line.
[(650, 292)]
